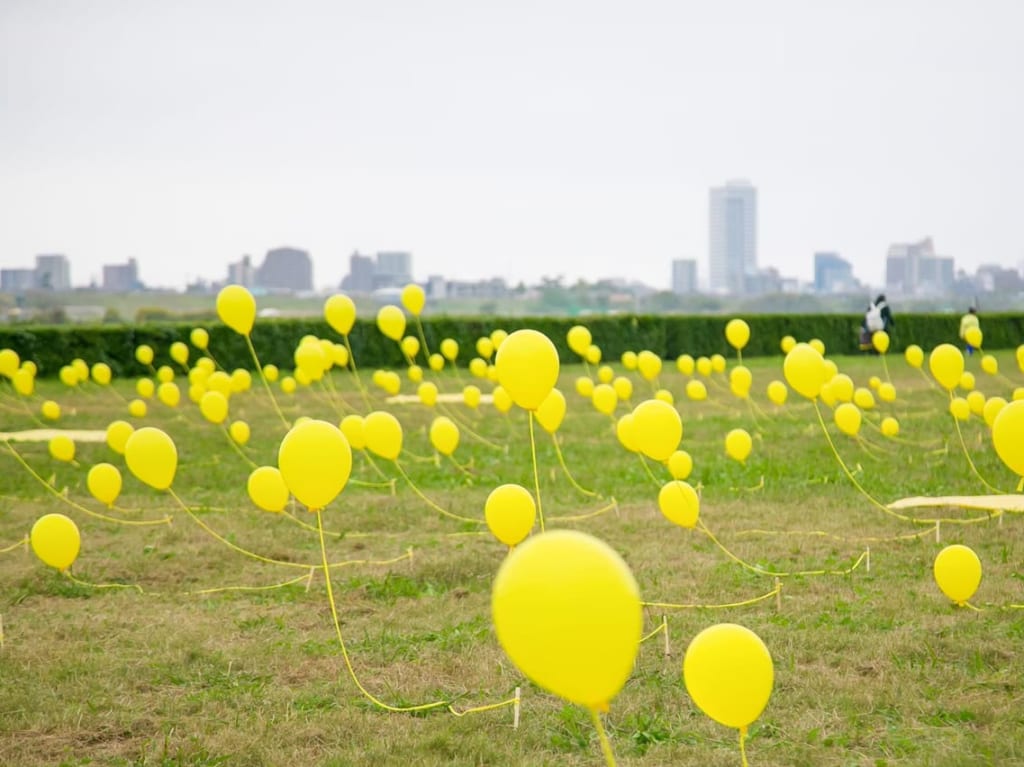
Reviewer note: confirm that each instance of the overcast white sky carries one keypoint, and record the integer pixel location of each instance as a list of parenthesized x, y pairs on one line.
[(514, 138)]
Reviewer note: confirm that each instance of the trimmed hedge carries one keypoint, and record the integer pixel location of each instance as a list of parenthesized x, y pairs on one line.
[(53, 346)]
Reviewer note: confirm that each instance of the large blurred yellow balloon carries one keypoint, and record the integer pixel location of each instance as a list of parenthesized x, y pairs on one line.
[(104, 482), (679, 503), (55, 540), (9, 362), (527, 365), (567, 612), (579, 339), (510, 512), (680, 464), (62, 447), (737, 333), (658, 429), (551, 411), (848, 418), (957, 572), (354, 429), (236, 308), (413, 299), (1008, 436), (152, 457), (118, 433), (729, 674), (340, 313), (214, 407), (267, 489), (383, 434), (315, 462), (805, 370), (391, 322), (738, 444), (444, 435), (604, 399), (947, 365)]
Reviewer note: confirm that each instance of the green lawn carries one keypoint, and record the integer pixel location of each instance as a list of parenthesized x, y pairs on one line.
[(873, 667)]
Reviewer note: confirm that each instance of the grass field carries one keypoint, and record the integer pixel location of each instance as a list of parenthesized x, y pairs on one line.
[(874, 667)]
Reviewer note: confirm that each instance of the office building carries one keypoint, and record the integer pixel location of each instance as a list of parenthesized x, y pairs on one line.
[(53, 272), (833, 274), (684, 276), (360, 274), (732, 237), (393, 269), (285, 269), (242, 273), (913, 269), (17, 280), (121, 278)]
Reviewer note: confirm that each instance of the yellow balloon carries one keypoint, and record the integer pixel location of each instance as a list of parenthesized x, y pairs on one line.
[(169, 394), (680, 464), (665, 396), (498, 337), (740, 381), (658, 429), (471, 396), (567, 611), (484, 347), (478, 367), (118, 433), (152, 457), (383, 435), (886, 392), (288, 385), (101, 373), (410, 347), (413, 299), (805, 370), (946, 363), (604, 399), (863, 398), (179, 352), (144, 354), (310, 359), (787, 343), (427, 392), (629, 361), (199, 338), (738, 444), (777, 392), (880, 340), (236, 308), (551, 411), (685, 364), (818, 345), (214, 407), (957, 572), (340, 313), (848, 418), (510, 512), (68, 376), (241, 381), (579, 339), (679, 503), (593, 354), (973, 336), (605, 374), (737, 333), (104, 482), (502, 402), (1008, 436), (137, 408), (914, 356), (62, 447), (890, 426), (967, 380), (165, 374), (623, 388), (649, 365), (527, 366), (450, 349), (55, 540), (444, 435), (992, 408), (50, 410), (696, 390), (718, 363), (729, 674), (9, 362), (976, 402), (145, 388), (267, 489), (315, 461), (392, 383), (354, 429), (239, 432), (436, 362), (391, 322), (703, 366), (842, 387), (990, 364), (585, 386)]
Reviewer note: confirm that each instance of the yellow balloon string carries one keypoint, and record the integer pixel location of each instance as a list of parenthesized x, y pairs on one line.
[(57, 494), (341, 641), (373, 464), (606, 747), (478, 709), (744, 603), (643, 462), (613, 506), (23, 542), (536, 474), (568, 474), (663, 626), (73, 579), (967, 454), (333, 390), (465, 426), (237, 448), (266, 383), (326, 396), (423, 338), (885, 368), (832, 536), (355, 372), (743, 750), (430, 503), (463, 469)]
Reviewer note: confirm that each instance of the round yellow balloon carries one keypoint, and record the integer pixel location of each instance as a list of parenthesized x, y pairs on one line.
[(240, 432), (947, 365), (890, 426), (567, 611), (236, 308), (104, 483), (805, 371), (444, 435), (214, 407), (737, 333), (658, 429), (551, 411), (62, 447), (50, 410), (680, 464), (199, 338), (729, 674), (152, 457), (1008, 436), (777, 392), (413, 299), (354, 429), (957, 572), (604, 398), (340, 313), (679, 503), (848, 418), (579, 339), (267, 489), (391, 322), (383, 435), (315, 461), (510, 512), (55, 540), (118, 433), (914, 355), (527, 365), (738, 444), (973, 336)]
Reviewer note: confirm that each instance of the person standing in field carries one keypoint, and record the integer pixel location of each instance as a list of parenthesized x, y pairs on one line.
[(878, 316), (967, 322)]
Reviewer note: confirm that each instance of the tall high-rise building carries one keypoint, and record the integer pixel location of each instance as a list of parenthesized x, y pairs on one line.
[(914, 269), (286, 269), (360, 274), (393, 270), (732, 240), (53, 272), (684, 276)]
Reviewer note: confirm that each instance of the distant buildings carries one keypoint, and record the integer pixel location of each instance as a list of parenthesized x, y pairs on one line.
[(242, 273), (390, 269), (913, 269), (732, 237), (51, 272), (285, 269), (17, 280), (121, 278), (833, 274), (684, 276)]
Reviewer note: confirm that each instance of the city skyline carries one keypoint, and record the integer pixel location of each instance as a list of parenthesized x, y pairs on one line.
[(170, 136)]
